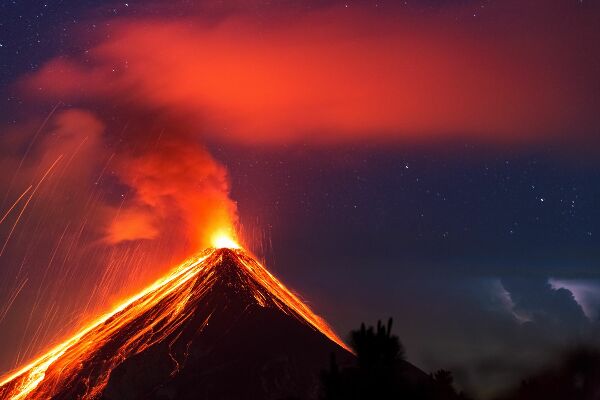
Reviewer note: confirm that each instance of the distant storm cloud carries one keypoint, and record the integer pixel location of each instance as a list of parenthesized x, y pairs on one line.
[(506, 303), (558, 299), (545, 304), (585, 292)]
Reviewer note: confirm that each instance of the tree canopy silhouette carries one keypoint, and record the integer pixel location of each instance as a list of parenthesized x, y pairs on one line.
[(380, 371)]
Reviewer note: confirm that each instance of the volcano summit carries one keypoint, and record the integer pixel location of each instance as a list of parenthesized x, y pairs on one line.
[(220, 326)]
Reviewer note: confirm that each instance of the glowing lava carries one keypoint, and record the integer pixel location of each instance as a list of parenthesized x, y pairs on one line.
[(152, 317), (222, 240)]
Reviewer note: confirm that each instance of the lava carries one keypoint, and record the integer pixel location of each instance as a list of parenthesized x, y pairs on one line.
[(224, 240), (163, 307)]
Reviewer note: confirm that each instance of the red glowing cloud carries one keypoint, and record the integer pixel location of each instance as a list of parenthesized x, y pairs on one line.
[(326, 77), (178, 183)]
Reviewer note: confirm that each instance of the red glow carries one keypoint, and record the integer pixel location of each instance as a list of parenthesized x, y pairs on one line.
[(177, 183), (325, 77)]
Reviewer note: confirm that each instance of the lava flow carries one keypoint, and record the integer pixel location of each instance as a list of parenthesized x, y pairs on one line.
[(82, 365)]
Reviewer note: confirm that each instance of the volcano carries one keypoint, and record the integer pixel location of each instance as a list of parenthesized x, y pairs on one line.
[(220, 326)]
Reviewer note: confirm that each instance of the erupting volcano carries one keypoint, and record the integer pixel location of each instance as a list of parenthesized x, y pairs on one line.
[(218, 326)]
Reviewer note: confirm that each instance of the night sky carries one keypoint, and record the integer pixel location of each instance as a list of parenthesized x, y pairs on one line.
[(433, 161)]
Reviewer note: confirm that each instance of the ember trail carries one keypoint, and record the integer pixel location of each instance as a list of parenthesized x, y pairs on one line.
[(171, 314)]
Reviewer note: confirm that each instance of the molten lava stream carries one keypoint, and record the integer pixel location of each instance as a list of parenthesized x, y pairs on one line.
[(162, 308)]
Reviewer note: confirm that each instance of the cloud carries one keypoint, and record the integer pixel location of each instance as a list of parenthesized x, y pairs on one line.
[(505, 301), (585, 292), (177, 182), (545, 304), (327, 76)]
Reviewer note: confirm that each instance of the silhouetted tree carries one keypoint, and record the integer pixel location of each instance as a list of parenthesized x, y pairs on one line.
[(378, 349), (444, 383), (381, 372), (443, 377)]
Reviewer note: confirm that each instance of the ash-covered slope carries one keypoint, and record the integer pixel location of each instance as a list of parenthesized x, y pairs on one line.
[(219, 327)]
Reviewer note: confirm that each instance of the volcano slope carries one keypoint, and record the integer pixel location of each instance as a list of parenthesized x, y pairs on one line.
[(220, 326)]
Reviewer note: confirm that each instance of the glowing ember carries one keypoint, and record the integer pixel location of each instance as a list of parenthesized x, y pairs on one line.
[(147, 319), (221, 240)]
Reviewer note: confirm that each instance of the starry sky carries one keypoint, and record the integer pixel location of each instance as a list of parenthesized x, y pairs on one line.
[(433, 161)]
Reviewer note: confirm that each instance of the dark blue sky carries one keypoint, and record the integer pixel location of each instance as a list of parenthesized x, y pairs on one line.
[(437, 245), (479, 250)]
